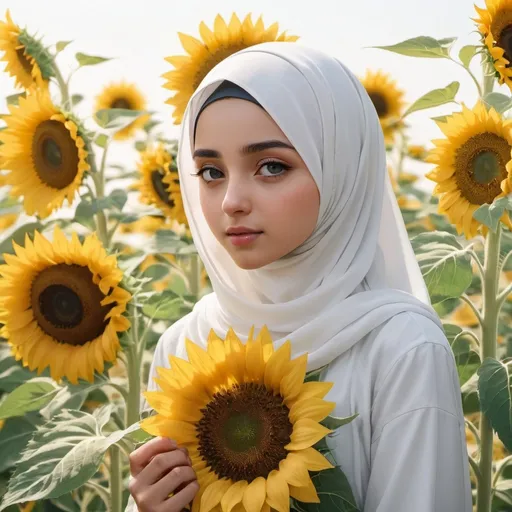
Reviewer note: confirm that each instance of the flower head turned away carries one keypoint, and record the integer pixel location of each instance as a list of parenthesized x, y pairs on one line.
[(62, 306), (387, 99), (126, 96), (248, 420), (495, 25), (43, 151), (213, 47), (28, 61), (472, 165), (159, 183)]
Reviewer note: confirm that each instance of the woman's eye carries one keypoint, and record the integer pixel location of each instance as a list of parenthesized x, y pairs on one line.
[(214, 174), (274, 168)]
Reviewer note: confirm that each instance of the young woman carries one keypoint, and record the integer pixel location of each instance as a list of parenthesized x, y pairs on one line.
[(282, 142)]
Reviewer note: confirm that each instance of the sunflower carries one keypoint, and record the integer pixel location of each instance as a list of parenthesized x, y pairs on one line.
[(148, 224), (472, 165), (387, 99), (159, 183), (416, 151), (248, 420), (225, 39), (7, 220), (126, 96), (407, 178), (27, 60), (62, 306), (495, 26), (44, 153)]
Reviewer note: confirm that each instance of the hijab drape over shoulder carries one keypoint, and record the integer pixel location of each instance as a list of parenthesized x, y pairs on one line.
[(357, 269)]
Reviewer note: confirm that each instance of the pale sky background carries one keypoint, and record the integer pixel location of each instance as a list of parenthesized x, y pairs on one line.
[(140, 34)]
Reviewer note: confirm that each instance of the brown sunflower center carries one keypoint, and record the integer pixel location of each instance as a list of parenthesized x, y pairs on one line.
[(55, 154), (480, 167), (505, 42), (380, 103), (501, 28), (121, 103), (66, 304), (243, 432), (161, 188), (223, 52), (23, 60)]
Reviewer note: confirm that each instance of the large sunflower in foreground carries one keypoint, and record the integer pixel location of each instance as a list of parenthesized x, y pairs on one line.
[(387, 99), (126, 96), (159, 183), (213, 47), (27, 59), (248, 420), (44, 154), (472, 165), (62, 306), (495, 25)]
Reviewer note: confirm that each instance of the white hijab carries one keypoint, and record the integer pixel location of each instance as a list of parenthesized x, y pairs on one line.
[(357, 269)]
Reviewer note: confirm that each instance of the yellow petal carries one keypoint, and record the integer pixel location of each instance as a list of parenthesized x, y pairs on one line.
[(213, 494), (277, 366), (199, 358), (293, 470), (314, 390), (180, 431), (278, 495), (313, 459), (291, 383), (255, 495), (235, 355), (266, 342), (254, 363), (306, 433), (233, 496), (306, 494), (315, 409)]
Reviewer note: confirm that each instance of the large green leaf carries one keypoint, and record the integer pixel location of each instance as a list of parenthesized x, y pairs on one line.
[(116, 118), (466, 358), (444, 263), (435, 98), (12, 373), (500, 102), (494, 392), (422, 46), (467, 53), (30, 396), (63, 454), (165, 305), (490, 214), (14, 438)]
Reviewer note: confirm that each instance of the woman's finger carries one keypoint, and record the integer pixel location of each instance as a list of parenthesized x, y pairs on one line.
[(160, 465), (178, 478), (141, 457), (180, 500)]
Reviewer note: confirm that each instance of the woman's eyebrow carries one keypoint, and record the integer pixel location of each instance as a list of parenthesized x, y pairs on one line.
[(249, 149)]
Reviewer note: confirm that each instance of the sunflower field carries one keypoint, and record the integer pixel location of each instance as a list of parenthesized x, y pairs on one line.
[(97, 261)]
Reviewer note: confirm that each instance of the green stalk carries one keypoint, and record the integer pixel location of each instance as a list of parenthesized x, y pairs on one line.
[(488, 349), (116, 479), (63, 86), (195, 276), (99, 182), (134, 371)]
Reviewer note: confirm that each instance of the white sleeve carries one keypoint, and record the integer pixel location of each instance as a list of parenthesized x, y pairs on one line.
[(418, 451)]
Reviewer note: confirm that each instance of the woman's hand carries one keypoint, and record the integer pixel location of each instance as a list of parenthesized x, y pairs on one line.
[(159, 468)]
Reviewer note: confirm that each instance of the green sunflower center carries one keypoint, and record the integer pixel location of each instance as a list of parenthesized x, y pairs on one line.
[(480, 167), (67, 304), (121, 103), (243, 432), (160, 188), (23, 60), (380, 103), (55, 154)]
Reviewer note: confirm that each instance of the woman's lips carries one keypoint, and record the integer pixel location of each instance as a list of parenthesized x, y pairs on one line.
[(244, 238)]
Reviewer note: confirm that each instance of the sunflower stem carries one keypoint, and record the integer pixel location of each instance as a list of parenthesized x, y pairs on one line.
[(116, 480), (63, 86), (99, 182), (473, 77), (134, 370), (488, 349), (195, 276)]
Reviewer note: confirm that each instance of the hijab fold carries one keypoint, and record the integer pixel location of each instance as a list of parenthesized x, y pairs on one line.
[(357, 269)]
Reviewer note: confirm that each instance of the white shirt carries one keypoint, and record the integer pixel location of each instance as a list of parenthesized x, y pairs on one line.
[(406, 451)]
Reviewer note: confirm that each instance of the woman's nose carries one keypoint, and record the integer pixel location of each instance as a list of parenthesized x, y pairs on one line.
[(237, 198)]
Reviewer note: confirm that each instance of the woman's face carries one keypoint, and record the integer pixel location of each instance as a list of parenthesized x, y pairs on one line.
[(252, 178)]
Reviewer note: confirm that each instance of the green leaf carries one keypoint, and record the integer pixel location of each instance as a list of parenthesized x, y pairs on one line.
[(333, 423), (467, 53), (89, 60), (466, 358), (435, 98), (440, 119), (156, 272), (490, 214), (500, 102), (59, 46), (494, 392), (14, 437), (14, 99), (63, 454), (422, 46), (167, 241), (444, 263), (140, 145), (316, 375), (117, 198), (30, 396), (18, 236), (12, 374), (76, 99), (69, 397), (151, 124), (101, 140), (163, 306), (116, 118)]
